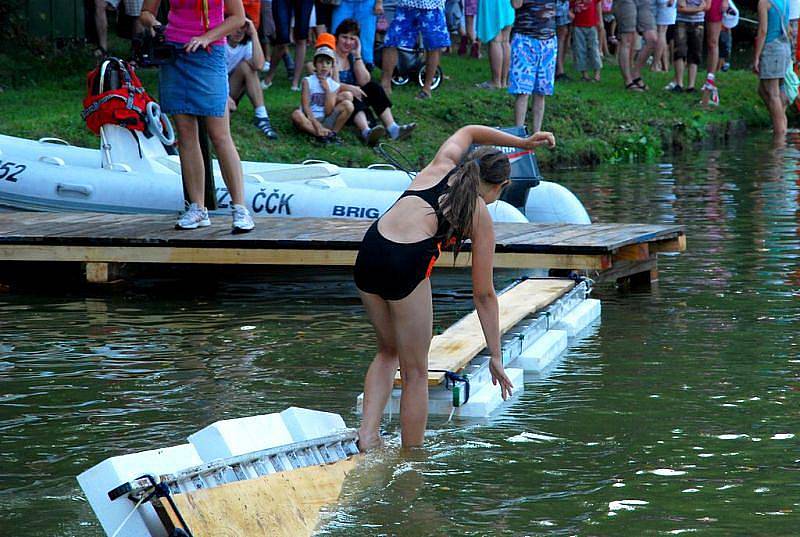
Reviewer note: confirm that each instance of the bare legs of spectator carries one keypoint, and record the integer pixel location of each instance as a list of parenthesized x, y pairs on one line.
[(432, 58), (521, 109), (469, 22), (660, 61), (389, 63), (651, 39), (277, 53), (244, 79), (563, 36), (101, 23), (499, 58), (770, 93), (192, 168), (624, 53), (712, 58), (299, 58)]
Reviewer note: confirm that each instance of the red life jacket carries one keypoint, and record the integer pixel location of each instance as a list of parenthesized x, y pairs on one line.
[(115, 96)]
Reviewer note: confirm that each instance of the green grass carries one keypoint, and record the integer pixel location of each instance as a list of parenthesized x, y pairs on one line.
[(593, 122)]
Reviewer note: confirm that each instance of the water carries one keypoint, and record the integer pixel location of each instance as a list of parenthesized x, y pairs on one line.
[(676, 415)]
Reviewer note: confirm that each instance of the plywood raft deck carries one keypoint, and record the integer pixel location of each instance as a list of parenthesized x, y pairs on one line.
[(617, 249)]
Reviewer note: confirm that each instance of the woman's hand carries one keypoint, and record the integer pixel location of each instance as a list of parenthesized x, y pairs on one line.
[(499, 376), (357, 47), (755, 65), (201, 41), (251, 29), (539, 138), (148, 21)]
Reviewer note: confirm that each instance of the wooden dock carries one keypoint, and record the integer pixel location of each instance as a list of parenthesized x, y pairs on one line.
[(102, 241)]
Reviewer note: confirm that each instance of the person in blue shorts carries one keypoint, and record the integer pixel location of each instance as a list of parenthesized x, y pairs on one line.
[(411, 18), (534, 48)]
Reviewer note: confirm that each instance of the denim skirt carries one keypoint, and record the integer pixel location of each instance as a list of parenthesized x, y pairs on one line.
[(195, 83)]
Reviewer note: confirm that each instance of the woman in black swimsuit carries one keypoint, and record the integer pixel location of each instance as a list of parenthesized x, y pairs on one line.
[(445, 204)]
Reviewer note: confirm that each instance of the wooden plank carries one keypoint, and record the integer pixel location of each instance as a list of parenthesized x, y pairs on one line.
[(285, 504), (632, 252), (265, 256), (678, 244), (625, 269), (455, 347)]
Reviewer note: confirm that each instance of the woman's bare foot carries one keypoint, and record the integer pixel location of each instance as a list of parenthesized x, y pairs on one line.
[(369, 441)]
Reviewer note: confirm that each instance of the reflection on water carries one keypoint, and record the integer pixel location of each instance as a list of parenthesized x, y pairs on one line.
[(678, 414)]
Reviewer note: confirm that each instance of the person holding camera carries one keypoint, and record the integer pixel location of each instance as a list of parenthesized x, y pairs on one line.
[(195, 86)]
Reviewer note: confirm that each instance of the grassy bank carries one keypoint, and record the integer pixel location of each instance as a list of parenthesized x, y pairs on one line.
[(593, 122)]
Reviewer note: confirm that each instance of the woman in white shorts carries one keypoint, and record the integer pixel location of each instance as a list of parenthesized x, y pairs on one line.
[(665, 11)]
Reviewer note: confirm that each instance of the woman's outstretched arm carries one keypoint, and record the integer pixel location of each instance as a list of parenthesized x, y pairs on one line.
[(454, 148)]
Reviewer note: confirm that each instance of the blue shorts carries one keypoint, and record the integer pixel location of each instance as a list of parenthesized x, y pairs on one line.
[(533, 65), (408, 22), (195, 84)]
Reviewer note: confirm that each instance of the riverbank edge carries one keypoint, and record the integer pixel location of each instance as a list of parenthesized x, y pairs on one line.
[(594, 123)]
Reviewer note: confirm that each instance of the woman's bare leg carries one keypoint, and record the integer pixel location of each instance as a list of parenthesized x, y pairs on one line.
[(192, 167), (219, 130), (412, 319), (380, 375), (506, 42)]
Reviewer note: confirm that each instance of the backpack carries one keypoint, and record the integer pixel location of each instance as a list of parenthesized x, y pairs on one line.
[(115, 96)]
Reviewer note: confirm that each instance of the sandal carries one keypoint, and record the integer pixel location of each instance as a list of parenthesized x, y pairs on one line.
[(633, 86), (640, 83), (422, 95)]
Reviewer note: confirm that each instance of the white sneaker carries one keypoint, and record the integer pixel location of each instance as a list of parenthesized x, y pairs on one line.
[(193, 218), (242, 221)]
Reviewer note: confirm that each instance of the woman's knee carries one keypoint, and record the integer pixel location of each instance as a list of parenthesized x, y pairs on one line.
[(346, 106), (413, 373)]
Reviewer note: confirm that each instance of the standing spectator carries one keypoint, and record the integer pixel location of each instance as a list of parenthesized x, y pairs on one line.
[(195, 86), (323, 15), (772, 58), (533, 58), (666, 13), (454, 16), (688, 42), (412, 17), (562, 31), (245, 60), (133, 8), (368, 95), (266, 29), (493, 26), (469, 40), (282, 12), (725, 49), (634, 16), (608, 26), (713, 27), (366, 12), (585, 42)]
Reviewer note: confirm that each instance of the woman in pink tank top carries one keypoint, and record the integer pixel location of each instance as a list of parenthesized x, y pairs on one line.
[(194, 86)]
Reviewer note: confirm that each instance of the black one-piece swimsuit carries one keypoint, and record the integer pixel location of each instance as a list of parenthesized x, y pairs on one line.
[(392, 270)]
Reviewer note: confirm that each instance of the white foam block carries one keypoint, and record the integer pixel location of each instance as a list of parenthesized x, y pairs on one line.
[(229, 438), (305, 424), (580, 317), (543, 351), (112, 472)]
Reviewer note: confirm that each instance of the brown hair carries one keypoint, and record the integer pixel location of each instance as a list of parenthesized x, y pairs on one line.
[(487, 164), (348, 26)]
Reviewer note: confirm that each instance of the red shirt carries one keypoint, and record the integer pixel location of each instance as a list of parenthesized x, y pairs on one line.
[(585, 13)]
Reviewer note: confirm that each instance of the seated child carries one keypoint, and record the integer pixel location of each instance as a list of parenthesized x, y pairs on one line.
[(245, 59), (320, 115)]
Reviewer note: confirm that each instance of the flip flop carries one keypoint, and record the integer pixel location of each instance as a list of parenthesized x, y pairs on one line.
[(640, 83), (633, 86), (422, 95)]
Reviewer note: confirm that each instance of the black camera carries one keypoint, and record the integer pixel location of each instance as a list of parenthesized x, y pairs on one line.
[(150, 48)]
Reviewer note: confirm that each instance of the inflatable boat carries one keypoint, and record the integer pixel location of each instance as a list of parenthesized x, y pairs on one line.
[(133, 173)]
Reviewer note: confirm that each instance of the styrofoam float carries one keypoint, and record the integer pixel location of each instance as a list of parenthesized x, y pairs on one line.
[(223, 453), (131, 173)]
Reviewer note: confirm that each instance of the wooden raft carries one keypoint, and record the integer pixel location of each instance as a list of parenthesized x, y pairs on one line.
[(99, 240), (285, 504), (455, 347)]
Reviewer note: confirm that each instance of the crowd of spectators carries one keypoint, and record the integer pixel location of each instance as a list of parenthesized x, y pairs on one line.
[(526, 41)]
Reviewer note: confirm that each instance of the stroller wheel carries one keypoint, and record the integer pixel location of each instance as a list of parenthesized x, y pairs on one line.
[(398, 79), (437, 77)]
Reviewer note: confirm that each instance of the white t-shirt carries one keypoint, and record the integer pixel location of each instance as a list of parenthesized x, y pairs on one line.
[(317, 94), (236, 55), (794, 9)]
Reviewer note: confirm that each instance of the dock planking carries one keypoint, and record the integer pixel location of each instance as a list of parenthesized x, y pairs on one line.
[(109, 238)]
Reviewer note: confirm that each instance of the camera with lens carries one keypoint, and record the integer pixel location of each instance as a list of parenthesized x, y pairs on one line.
[(150, 48)]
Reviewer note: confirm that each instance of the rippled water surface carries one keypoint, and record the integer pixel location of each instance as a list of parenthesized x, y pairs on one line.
[(679, 413)]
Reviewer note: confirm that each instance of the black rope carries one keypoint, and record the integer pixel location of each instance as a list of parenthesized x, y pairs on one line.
[(451, 378)]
